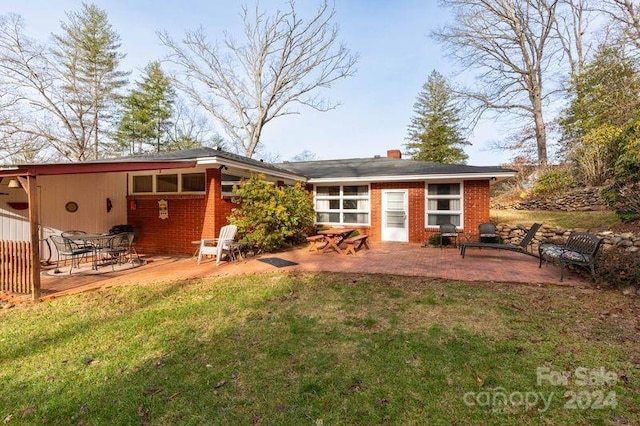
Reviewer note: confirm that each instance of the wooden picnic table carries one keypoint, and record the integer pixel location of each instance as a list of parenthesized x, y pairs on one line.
[(335, 237)]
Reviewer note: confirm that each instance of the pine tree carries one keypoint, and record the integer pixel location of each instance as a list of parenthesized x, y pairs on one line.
[(88, 53), (147, 112), (435, 132)]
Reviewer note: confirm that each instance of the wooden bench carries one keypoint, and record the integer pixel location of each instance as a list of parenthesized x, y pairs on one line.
[(355, 243), (580, 249), (313, 240)]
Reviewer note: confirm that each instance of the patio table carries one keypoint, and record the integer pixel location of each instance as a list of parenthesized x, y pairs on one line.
[(97, 243), (335, 237)]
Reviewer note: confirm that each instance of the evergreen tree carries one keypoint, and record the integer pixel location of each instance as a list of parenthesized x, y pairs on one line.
[(88, 54), (604, 106), (147, 113), (435, 130)]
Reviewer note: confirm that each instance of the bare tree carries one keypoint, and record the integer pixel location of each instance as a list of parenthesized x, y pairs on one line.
[(49, 103), (283, 61), (510, 44), (572, 24), (626, 15)]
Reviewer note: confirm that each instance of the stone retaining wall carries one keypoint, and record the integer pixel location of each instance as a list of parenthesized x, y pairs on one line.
[(582, 199), (511, 234)]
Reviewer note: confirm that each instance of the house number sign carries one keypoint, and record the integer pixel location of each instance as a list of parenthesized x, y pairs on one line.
[(163, 209)]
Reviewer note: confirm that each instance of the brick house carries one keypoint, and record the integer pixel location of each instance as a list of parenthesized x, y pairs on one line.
[(178, 197)]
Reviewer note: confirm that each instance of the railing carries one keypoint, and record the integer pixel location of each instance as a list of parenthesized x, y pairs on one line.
[(15, 267)]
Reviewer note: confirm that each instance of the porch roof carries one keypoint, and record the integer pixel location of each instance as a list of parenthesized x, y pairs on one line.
[(391, 169), (166, 160)]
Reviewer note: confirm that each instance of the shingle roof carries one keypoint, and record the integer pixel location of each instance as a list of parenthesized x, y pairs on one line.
[(383, 166), (194, 154)]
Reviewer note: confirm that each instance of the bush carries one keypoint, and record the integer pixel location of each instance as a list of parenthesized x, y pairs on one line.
[(618, 267), (434, 240), (553, 180), (624, 199), (272, 217)]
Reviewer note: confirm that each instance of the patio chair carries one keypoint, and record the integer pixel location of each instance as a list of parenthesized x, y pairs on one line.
[(522, 247), (117, 249), (71, 235), (448, 230), (216, 246), (488, 233), (67, 248)]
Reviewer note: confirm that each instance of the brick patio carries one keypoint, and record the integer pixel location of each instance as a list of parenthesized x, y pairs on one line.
[(384, 258)]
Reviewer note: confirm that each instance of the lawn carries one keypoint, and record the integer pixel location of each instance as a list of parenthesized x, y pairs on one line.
[(593, 220), (322, 349)]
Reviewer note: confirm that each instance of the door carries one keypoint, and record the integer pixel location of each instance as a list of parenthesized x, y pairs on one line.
[(395, 222)]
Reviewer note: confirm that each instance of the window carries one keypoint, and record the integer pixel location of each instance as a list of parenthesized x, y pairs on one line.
[(167, 183), (143, 184), (193, 182), (444, 204), (342, 204), (228, 182)]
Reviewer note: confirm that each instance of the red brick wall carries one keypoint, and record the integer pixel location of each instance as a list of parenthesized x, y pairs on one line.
[(191, 217), (416, 209), (476, 204)]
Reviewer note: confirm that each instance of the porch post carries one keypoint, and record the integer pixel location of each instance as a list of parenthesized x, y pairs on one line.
[(29, 184)]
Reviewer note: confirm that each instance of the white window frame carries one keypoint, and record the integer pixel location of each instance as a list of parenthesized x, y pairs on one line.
[(341, 197), (443, 197), (154, 180)]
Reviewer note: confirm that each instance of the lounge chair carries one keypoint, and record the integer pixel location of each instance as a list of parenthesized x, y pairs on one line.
[(218, 245), (522, 247)]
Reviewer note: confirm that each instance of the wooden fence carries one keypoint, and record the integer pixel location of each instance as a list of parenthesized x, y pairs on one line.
[(15, 267)]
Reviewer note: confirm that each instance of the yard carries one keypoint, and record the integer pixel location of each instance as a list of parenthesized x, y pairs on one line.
[(323, 348)]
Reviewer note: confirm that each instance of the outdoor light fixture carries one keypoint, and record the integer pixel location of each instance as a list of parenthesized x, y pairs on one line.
[(13, 183)]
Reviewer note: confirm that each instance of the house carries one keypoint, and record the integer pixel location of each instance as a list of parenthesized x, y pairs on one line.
[(179, 197), (392, 199)]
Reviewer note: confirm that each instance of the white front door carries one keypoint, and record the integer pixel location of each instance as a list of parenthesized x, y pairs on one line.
[(395, 222)]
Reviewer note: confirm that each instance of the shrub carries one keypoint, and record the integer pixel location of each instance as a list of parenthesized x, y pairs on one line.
[(272, 217), (553, 180), (624, 199), (434, 240), (619, 267)]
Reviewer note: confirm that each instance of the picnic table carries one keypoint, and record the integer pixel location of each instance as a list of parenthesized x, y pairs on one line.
[(335, 237)]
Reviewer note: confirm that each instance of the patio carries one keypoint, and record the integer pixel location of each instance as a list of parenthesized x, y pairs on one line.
[(382, 258)]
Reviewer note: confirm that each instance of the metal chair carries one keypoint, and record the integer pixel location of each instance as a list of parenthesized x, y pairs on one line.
[(448, 230), (67, 248), (117, 249), (488, 233)]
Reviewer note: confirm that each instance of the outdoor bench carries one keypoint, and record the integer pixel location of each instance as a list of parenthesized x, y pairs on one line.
[(355, 243), (580, 249), (313, 240)]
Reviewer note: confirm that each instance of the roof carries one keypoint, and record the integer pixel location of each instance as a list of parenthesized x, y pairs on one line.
[(164, 160), (194, 154), (385, 168), (355, 169)]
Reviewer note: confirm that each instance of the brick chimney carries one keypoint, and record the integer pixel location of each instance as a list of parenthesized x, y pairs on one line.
[(394, 153)]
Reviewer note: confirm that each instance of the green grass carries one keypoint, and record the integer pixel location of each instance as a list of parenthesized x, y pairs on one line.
[(314, 349), (594, 220)]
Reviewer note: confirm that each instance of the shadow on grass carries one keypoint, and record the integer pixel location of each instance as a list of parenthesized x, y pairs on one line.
[(274, 349)]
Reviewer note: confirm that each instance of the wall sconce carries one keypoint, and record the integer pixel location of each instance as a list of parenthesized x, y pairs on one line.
[(13, 183)]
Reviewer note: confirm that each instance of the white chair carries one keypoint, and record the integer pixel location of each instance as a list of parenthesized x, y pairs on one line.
[(218, 245)]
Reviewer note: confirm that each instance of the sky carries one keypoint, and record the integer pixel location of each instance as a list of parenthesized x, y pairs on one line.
[(391, 39)]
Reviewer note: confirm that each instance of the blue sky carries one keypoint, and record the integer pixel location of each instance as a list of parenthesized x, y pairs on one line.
[(390, 37)]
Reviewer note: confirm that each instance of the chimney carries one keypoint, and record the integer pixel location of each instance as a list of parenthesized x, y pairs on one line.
[(394, 153)]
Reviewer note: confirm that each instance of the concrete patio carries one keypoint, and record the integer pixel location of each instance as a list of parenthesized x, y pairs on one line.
[(383, 258)]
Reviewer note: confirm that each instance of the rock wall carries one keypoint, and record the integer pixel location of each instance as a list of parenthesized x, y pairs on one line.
[(582, 199), (511, 234)]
